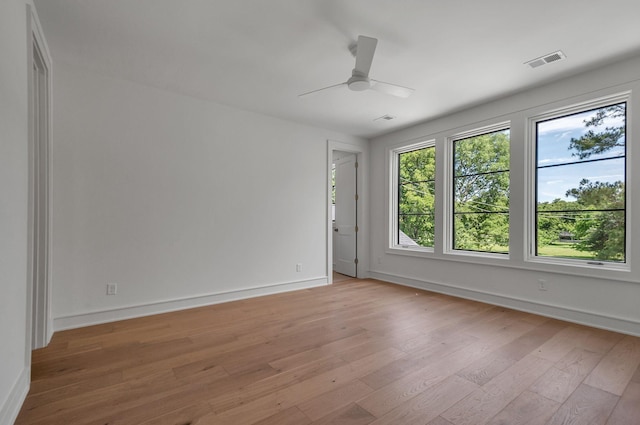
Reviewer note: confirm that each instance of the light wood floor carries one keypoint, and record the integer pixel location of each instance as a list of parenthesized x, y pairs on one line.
[(339, 277), (358, 352)]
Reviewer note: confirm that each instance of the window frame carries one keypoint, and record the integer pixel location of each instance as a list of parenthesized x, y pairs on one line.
[(394, 197), (522, 165), (531, 186), (449, 191)]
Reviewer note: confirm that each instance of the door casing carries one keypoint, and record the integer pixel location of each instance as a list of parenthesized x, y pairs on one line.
[(360, 236)]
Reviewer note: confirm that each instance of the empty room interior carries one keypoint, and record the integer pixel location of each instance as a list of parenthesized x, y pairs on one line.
[(319, 212)]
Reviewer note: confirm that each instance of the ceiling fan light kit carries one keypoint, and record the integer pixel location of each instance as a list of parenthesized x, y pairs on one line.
[(360, 81)]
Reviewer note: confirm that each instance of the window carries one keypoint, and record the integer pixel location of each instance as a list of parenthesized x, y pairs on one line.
[(481, 192), (580, 206), (333, 192), (416, 197)]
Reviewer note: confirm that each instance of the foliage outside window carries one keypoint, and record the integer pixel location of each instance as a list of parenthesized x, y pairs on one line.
[(580, 185), (481, 193), (416, 197), (333, 192)]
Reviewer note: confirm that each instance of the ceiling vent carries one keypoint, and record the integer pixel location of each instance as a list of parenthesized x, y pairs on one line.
[(551, 57)]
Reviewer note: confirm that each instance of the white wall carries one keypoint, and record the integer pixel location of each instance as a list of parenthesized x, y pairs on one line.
[(582, 298), (14, 355), (179, 201)]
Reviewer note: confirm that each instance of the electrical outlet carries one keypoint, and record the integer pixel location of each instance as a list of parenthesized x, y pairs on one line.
[(542, 285), (299, 267), (112, 288)]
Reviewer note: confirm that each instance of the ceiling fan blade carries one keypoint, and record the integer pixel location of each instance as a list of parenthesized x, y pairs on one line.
[(392, 89), (324, 88), (366, 47)]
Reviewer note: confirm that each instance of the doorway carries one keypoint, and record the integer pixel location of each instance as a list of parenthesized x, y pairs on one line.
[(344, 223), (39, 210)]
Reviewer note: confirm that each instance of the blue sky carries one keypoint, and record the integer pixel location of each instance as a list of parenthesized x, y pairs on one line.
[(553, 148)]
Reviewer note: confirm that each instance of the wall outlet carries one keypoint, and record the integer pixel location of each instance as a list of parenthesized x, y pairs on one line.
[(542, 285), (299, 267), (112, 288)]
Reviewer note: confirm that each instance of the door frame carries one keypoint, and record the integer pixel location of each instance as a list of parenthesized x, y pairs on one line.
[(39, 314), (359, 152), (347, 188)]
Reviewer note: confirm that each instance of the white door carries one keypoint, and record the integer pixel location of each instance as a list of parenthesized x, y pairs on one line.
[(39, 202), (344, 227)]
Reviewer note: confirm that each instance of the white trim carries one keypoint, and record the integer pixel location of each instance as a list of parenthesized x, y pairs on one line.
[(449, 190), (43, 326), (165, 306), (361, 237), (569, 314), (393, 155), (520, 209), (12, 405), (531, 167)]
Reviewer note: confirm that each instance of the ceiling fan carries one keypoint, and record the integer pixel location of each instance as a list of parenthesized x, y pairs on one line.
[(363, 50)]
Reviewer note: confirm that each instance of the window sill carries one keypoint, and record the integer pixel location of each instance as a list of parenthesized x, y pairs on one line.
[(609, 271), (580, 264)]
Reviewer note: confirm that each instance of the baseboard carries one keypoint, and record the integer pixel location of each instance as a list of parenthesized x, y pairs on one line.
[(569, 314), (11, 407), (133, 311)]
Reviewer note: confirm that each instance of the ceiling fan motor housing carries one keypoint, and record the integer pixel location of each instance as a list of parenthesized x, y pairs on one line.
[(358, 82)]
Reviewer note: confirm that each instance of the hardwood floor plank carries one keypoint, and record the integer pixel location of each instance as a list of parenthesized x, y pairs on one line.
[(528, 409), (578, 336), (587, 405), (487, 401), (363, 350), (72, 407), (349, 415), (486, 368), (562, 343), (627, 411), (72, 390), (357, 352), (260, 388), (202, 367), (397, 392), (616, 369), (531, 340), (429, 404), (330, 401), (559, 382), (235, 362), (189, 414), (409, 364), (290, 416), (440, 421), (305, 390), (334, 348), (636, 376)]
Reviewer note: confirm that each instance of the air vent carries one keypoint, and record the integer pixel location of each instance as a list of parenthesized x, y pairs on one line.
[(386, 117), (551, 57)]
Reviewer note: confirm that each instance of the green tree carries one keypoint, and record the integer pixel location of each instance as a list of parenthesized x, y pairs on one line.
[(481, 185), (416, 206), (554, 218), (603, 230), (592, 142)]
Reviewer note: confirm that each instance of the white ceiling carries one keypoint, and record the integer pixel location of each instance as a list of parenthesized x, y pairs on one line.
[(260, 54)]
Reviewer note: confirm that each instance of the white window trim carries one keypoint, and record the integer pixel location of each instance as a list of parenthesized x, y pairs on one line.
[(521, 212), (566, 264), (393, 155), (449, 195)]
